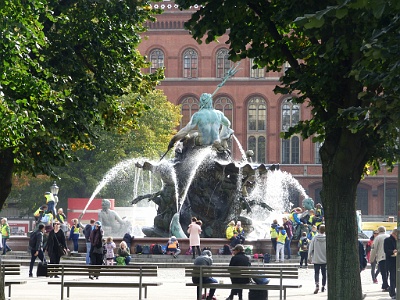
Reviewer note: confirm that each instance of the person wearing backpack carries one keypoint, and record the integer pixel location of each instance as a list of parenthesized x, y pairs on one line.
[(36, 247), (303, 249)]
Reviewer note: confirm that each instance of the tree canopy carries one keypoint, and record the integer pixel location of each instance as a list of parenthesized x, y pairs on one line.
[(64, 66), (79, 179), (344, 64)]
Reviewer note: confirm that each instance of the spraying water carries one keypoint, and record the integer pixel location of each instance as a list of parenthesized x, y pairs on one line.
[(242, 152), (107, 178)]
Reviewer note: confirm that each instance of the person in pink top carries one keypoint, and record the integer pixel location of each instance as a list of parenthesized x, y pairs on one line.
[(194, 231)]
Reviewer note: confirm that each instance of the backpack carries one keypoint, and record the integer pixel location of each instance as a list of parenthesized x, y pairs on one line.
[(248, 251), (146, 249), (226, 250), (156, 249), (120, 261), (33, 239), (267, 257), (304, 244), (138, 249), (189, 251)]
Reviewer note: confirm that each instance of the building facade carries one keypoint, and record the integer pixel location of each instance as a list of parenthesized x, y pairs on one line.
[(257, 114)]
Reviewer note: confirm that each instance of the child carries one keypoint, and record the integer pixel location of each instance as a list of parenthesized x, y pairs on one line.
[(110, 246), (280, 244), (303, 249)]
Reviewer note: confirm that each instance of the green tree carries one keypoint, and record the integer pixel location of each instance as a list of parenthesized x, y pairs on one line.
[(344, 64), (79, 179), (64, 67)]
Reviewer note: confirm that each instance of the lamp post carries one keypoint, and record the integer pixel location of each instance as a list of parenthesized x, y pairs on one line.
[(54, 190)]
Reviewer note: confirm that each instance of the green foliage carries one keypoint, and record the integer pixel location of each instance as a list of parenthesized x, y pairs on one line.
[(64, 65), (79, 179)]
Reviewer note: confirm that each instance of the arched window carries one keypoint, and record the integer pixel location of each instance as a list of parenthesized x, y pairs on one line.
[(290, 147), (223, 63), (256, 73), (290, 114), (390, 201), (189, 106), (190, 64), (317, 157), (156, 60), (225, 105), (256, 128), (291, 150)]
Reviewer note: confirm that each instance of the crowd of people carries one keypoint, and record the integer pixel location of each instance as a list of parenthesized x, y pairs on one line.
[(307, 227)]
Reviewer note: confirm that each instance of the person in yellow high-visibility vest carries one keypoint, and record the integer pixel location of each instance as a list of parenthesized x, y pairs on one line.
[(50, 201), (280, 244), (74, 234), (274, 233), (5, 235)]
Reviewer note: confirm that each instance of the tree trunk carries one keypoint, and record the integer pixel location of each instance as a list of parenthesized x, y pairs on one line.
[(343, 159), (6, 171)]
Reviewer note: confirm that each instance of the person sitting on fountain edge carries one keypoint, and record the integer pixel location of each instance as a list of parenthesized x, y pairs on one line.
[(208, 120), (173, 246), (240, 232), (231, 234)]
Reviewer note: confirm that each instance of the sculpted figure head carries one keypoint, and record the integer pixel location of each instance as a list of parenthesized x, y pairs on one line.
[(105, 204), (205, 100)]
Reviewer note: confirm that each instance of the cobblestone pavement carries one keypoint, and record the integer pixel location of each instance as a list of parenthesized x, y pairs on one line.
[(173, 287)]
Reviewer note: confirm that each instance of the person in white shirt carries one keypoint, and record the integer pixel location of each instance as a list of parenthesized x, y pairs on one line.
[(378, 253)]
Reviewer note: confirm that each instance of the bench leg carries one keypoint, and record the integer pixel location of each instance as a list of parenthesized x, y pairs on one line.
[(68, 292), (9, 291), (145, 292)]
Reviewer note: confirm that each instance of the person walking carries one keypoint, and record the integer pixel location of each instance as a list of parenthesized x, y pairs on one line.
[(5, 235), (36, 247), (317, 256), (205, 259), (368, 247), (55, 243), (87, 231), (194, 231), (238, 259), (378, 253), (390, 247)]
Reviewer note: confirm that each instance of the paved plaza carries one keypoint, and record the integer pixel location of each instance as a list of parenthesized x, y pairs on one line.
[(173, 287)]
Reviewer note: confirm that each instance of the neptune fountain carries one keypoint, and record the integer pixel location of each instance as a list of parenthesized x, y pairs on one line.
[(203, 180)]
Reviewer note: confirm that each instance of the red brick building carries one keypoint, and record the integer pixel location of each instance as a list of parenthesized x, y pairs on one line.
[(257, 114)]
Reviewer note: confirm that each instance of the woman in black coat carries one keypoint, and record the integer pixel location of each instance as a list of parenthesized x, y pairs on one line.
[(56, 237), (96, 248)]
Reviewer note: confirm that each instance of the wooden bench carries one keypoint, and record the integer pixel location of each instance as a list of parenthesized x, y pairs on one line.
[(130, 271), (280, 272), (11, 269)]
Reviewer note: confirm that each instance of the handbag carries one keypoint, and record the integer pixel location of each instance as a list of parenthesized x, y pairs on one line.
[(61, 249)]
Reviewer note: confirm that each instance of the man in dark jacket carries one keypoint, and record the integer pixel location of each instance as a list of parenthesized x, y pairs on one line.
[(239, 259), (389, 246), (86, 231), (37, 248)]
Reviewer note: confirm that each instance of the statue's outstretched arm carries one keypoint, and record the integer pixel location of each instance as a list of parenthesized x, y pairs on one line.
[(183, 132)]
